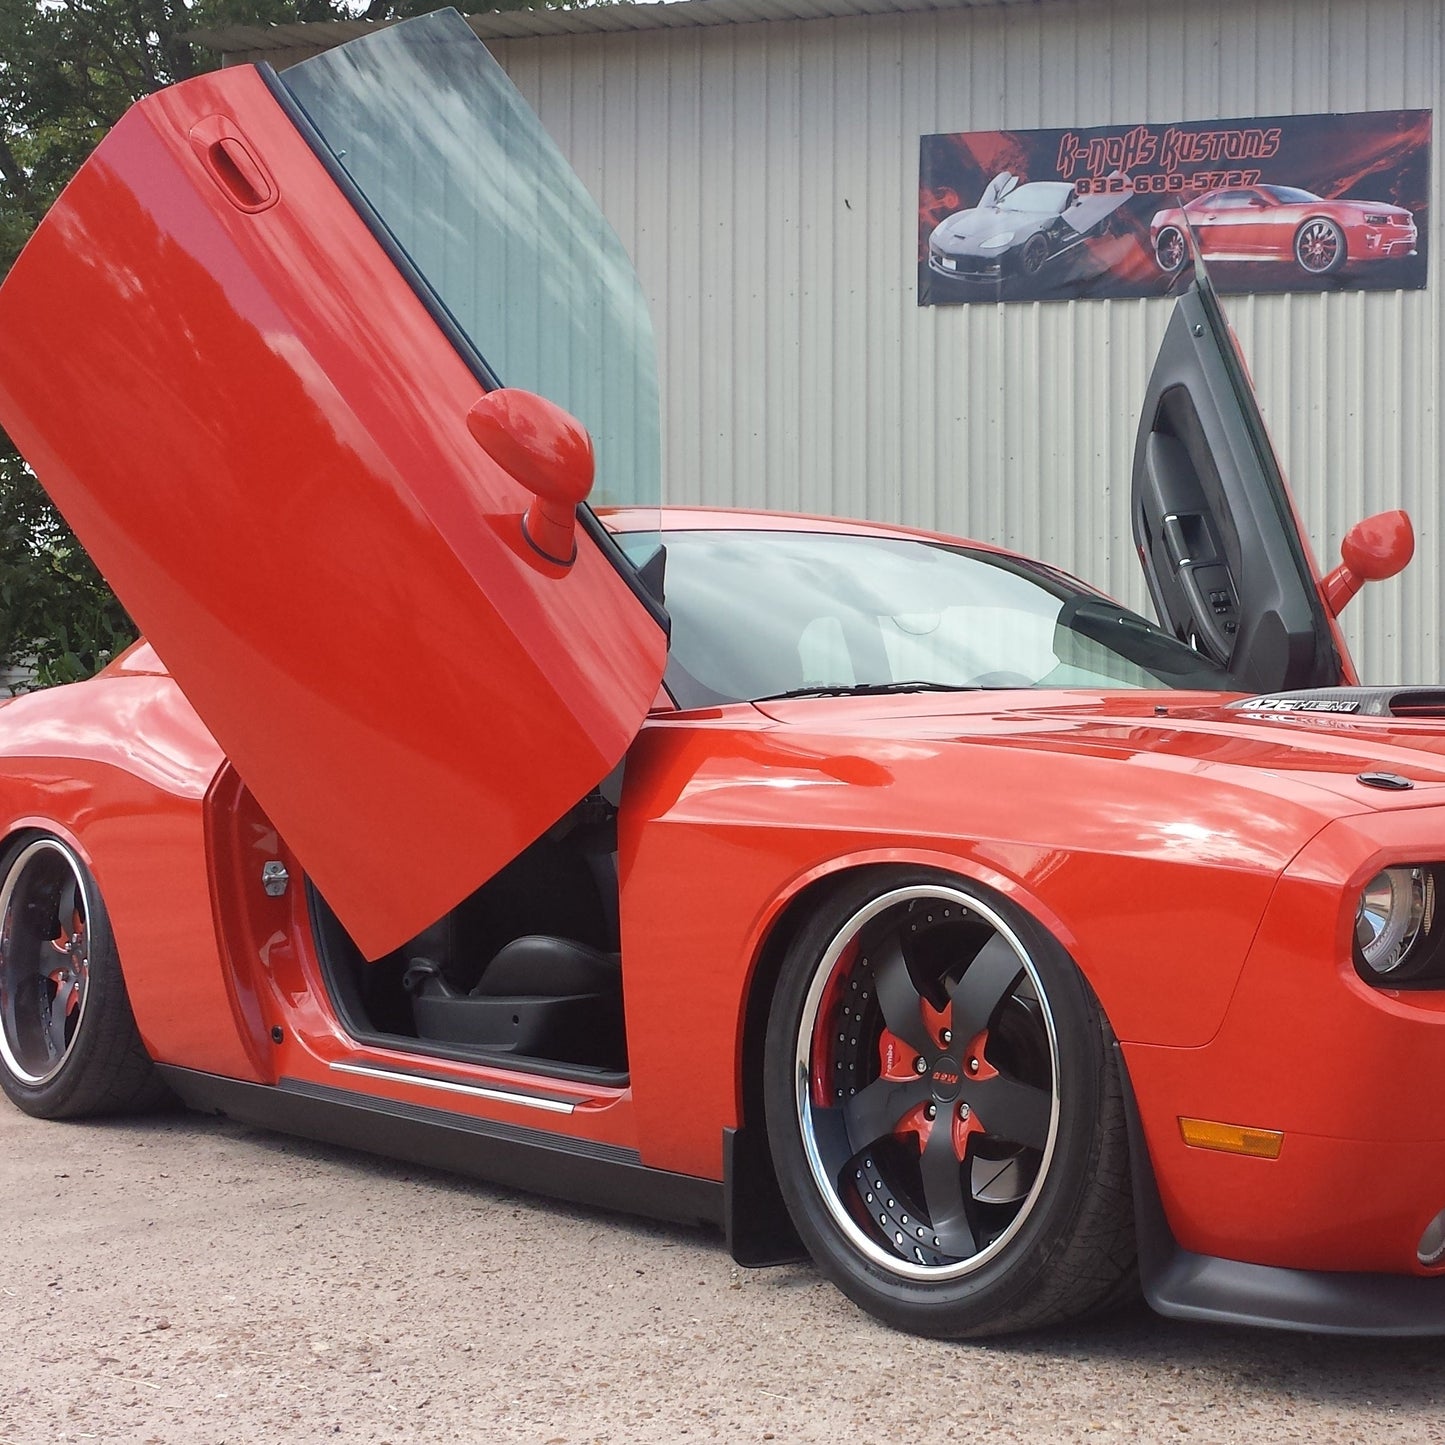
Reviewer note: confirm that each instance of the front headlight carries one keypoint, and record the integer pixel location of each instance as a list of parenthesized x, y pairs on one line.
[(1393, 925), (996, 243)]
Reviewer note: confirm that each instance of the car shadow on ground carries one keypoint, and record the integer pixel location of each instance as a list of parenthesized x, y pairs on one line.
[(1325, 1370)]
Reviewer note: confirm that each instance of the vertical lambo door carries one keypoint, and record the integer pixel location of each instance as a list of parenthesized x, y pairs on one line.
[(252, 352), (1227, 564)]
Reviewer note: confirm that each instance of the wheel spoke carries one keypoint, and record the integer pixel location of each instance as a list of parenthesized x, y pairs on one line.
[(1008, 1109), (982, 988), (54, 1020), (65, 913), (830, 1137), (877, 1110), (898, 996), (943, 1192)]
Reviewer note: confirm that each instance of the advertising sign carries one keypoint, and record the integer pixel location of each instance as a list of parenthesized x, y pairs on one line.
[(1287, 203)]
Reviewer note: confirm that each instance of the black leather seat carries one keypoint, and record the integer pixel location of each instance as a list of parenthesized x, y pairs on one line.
[(540, 996)]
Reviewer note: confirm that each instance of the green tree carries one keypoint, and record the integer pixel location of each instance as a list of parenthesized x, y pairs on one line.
[(68, 70)]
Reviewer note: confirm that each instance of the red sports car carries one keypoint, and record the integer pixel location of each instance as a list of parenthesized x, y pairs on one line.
[(1283, 224), (870, 893)]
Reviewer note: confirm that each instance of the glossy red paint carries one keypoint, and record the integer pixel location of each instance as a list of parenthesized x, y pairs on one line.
[(1372, 551), (1198, 863), (1061, 806), (1256, 224), (260, 432), (120, 769), (549, 452), (284, 490), (1362, 1168)]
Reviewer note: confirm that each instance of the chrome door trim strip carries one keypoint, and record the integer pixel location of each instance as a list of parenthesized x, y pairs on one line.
[(450, 1086)]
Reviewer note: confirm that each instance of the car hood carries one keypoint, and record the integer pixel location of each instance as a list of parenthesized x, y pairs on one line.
[(1312, 758), (1376, 208), (968, 228)]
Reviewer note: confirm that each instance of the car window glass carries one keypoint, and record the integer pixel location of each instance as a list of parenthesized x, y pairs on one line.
[(1040, 196), (505, 236), (1290, 195), (757, 613), (1232, 200)]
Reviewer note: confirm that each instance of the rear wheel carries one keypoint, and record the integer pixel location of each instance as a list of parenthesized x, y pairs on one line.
[(68, 1040), (945, 1112)]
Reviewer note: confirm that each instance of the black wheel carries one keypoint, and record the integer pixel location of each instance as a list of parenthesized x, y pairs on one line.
[(1170, 249), (945, 1112), (68, 1041), (1319, 246), (1033, 255)]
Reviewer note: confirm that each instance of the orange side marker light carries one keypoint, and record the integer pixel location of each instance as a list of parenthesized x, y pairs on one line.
[(1231, 1138)]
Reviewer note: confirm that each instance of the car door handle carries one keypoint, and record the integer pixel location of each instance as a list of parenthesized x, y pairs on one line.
[(232, 163)]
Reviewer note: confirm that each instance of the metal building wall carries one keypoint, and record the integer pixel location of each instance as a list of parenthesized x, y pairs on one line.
[(764, 178)]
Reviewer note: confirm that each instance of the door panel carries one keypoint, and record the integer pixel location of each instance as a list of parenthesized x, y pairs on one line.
[(259, 432), (1226, 562)]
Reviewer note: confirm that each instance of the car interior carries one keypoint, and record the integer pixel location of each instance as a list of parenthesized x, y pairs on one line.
[(527, 967)]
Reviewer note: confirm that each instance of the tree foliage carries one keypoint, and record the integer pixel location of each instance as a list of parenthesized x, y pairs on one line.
[(68, 71)]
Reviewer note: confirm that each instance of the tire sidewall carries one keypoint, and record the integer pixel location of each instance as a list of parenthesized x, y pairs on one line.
[(1034, 255), (968, 1303), (1340, 255), (56, 1097), (1159, 250)]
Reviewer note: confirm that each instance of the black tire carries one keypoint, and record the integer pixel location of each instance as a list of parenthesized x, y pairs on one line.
[(992, 1227), (1170, 249), (1034, 255), (69, 1046), (1319, 247)]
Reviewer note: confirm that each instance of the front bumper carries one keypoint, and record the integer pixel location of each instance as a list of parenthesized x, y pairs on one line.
[(966, 267), (1353, 1076), (1228, 1292), (1388, 243)]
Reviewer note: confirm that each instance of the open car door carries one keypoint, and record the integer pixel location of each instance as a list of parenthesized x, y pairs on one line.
[(241, 353), (1227, 564)]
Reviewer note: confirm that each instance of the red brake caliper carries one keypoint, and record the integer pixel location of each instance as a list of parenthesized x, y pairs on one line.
[(975, 1066)]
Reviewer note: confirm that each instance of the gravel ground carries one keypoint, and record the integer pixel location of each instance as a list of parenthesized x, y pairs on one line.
[(182, 1279)]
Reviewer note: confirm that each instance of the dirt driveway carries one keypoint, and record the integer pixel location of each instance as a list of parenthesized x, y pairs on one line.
[(187, 1280)]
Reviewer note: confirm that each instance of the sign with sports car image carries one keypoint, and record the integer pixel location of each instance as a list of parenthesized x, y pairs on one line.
[(1285, 203)]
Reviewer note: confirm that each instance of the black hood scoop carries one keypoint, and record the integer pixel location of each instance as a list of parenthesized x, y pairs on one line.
[(1401, 702)]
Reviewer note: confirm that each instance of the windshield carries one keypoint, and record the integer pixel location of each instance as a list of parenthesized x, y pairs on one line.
[(1039, 196), (460, 174), (757, 614)]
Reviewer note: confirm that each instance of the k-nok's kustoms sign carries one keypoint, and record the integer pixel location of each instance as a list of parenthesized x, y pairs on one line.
[(1285, 203)]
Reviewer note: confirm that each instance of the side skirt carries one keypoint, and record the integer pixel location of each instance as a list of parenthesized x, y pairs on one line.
[(572, 1169)]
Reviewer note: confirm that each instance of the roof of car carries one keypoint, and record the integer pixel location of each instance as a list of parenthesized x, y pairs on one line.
[(736, 519)]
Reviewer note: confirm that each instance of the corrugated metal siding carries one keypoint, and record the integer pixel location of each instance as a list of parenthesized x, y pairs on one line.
[(765, 179), (286, 44)]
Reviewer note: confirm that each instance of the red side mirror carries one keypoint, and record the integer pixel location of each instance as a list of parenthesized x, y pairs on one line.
[(1377, 548), (546, 450)]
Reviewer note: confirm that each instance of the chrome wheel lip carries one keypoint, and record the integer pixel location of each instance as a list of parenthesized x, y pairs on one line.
[(1170, 243), (1326, 231), (803, 1071), (10, 970)]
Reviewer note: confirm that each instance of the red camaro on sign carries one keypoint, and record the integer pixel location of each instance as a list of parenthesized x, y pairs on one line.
[(1286, 225), (873, 894)]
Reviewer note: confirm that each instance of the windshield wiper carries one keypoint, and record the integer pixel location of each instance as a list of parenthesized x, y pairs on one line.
[(871, 689)]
